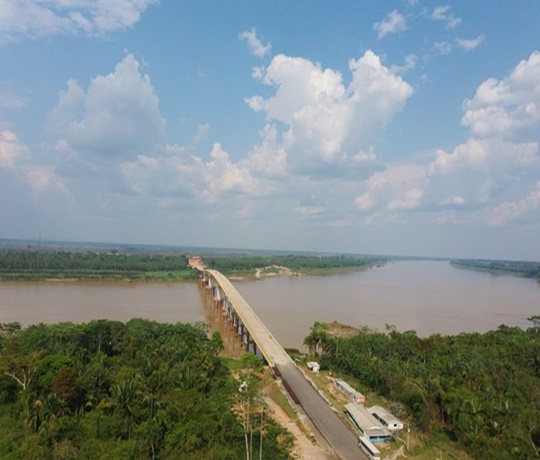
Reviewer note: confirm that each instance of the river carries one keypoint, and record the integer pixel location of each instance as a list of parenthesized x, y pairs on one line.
[(425, 296)]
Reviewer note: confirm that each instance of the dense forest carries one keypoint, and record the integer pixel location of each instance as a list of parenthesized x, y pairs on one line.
[(482, 389), (44, 264), (135, 390), (525, 269), (32, 264), (297, 263)]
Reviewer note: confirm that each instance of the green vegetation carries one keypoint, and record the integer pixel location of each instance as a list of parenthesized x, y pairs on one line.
[(139, 390), (241, 265), (483, 390), (525, 269), (39, 265)]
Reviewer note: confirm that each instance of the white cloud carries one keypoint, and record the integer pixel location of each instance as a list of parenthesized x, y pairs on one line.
[(255, 45), (223, 176), (410, 63), (492, 178), (480, 170), (327, 123), (471, 44), (394, 22), (35, 18), (395, 188), (19, 161), (318, 132), (500, 161), (176, 173), (509, 108), (268, 159), (308, 212), (117, 116), (443, 47), (443, 13), (12, 152), (512, 210), (410, 199), (43, 178)]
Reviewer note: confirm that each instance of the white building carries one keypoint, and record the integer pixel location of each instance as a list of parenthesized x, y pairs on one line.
[(369, 426), (350, 391), (386, 418)]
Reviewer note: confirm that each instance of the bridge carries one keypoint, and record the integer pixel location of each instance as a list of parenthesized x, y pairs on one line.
[(257, 338)]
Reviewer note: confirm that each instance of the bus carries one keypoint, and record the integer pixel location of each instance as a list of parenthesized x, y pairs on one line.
[(369, 449)]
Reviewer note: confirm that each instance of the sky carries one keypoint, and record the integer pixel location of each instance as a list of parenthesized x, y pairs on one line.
[(406, 127)]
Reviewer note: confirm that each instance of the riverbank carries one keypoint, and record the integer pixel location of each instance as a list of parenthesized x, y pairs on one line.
[(274, 270), (502, 267)]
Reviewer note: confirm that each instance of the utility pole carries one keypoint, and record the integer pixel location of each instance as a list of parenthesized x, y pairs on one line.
[(260, 442)]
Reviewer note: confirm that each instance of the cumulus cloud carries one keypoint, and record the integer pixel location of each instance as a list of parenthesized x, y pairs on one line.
[(117, 116), (509, 108), (269, 158), (479, 170), (508, 211), (444, 13), (19, 161), (326, 122), (12, 152), (398, 187), (501, 158), (35, 18), (394, 22), (471, 44), (255, 45), (223, 176), (318, 131), (178, 173), (490, 179)]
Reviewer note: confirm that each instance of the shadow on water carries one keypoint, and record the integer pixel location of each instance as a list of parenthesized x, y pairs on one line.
[(214, 318)]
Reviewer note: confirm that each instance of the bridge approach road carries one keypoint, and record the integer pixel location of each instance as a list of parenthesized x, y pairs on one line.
[(341, 438)]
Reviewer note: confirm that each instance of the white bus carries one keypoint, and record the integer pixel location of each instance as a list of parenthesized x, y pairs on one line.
[(369, 449)]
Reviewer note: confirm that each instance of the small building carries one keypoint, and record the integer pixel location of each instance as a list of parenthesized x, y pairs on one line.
[(195, 261), (314, 366), (387, 419), (366, 423), (344, 387)]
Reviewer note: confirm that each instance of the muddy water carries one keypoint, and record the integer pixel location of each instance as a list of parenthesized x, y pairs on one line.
[(427, 297), (55, 301)]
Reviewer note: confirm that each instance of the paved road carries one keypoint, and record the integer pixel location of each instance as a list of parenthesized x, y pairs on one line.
[(337, 433)]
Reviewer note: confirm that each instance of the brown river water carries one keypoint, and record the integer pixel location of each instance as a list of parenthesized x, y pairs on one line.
[(425, 296)]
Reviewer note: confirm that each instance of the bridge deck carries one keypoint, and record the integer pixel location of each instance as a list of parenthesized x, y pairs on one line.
[(337, 433), (266, 342)]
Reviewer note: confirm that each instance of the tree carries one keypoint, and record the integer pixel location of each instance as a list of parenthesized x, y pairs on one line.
[(21, 368), (65, 387)]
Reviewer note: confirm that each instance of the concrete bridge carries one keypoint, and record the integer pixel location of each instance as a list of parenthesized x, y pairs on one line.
[(257, 338)]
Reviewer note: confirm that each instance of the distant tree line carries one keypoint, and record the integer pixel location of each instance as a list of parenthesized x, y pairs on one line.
[(298, 263), (32, 264), (135, 390), (525, 269), (482, 389)]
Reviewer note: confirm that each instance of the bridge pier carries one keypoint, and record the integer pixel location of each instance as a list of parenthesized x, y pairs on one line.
[(254, 335), (229, 314)]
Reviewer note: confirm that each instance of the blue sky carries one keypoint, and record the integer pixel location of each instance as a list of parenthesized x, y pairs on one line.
[(398, 127)]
